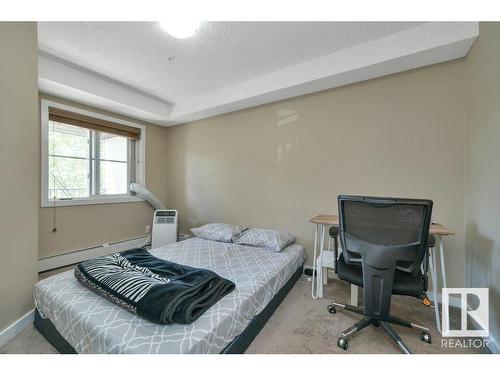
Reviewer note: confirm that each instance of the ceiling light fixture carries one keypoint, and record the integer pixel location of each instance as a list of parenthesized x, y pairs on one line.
[(181, 28)]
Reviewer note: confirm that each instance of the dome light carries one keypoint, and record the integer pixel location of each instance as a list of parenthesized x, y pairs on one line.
[(182, 28)]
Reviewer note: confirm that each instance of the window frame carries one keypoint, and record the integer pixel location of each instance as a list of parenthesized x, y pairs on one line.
[(140, 159)]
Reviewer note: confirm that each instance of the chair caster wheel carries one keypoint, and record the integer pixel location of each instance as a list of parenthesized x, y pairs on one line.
[(425, 337), (342, 343), (331, 309)]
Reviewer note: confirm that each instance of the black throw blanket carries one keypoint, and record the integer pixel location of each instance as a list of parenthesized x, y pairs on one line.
[(158, 290)]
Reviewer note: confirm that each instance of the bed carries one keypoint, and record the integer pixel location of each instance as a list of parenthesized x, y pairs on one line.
[(76, 320)]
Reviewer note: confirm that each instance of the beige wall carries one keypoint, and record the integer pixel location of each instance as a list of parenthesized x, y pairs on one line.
[(482, 202), (279, 164), (18, 168), (81, 227)]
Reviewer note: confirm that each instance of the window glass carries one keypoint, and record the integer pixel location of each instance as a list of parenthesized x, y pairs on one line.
[(68, 140), (68, 161), (113, 147), (113, 170)]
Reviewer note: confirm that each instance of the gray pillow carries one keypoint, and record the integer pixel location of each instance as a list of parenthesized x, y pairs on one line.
[(269, 239), (218, 232)]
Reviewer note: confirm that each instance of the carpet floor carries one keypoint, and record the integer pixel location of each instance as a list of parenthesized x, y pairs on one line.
[(302, 325)]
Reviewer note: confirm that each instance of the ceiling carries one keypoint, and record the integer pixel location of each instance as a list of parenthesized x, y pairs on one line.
[(219, 55), (225, 66)]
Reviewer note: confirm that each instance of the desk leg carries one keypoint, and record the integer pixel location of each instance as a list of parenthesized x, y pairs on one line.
[(443, 268), (313, 286), (319, 276), (432, 265), (354, 295)]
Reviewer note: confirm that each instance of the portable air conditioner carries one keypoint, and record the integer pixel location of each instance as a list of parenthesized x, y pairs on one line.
[(164, 228)]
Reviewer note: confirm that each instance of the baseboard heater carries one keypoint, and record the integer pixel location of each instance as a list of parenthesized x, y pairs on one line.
[(76, 256)]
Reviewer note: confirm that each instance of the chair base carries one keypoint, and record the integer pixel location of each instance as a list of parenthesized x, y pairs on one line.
[(343, 341)]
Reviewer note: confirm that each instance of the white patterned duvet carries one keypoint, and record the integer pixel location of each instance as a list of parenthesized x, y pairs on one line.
[(92, 324)]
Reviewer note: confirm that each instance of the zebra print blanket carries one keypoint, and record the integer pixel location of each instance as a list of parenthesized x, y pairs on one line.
[(158, 290)]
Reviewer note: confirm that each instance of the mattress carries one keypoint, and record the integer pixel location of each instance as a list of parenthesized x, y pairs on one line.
[(92, 324)]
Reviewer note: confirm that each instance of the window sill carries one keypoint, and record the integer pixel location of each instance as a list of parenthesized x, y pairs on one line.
[(91, 201)]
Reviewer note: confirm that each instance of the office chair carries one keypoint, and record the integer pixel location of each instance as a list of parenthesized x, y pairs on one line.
[(384, 245)]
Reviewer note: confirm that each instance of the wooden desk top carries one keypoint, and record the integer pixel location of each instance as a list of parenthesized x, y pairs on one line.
[(437, 229)]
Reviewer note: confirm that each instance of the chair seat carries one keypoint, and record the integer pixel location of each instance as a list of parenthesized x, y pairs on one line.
[(404, 283)]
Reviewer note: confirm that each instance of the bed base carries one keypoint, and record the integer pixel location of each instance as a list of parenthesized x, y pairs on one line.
[(238, 346)]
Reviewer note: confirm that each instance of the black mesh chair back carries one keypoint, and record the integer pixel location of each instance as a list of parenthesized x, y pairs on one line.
[(383, 234)]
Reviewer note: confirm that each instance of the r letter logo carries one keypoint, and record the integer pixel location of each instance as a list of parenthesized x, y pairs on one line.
[(473, 309)]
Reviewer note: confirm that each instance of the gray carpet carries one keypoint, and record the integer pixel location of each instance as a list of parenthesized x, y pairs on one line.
[(302, 325)]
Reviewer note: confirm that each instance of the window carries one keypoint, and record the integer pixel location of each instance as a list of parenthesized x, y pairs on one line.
[(88, 158)]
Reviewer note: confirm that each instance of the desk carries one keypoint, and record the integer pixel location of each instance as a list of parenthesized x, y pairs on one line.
[(324, 222)]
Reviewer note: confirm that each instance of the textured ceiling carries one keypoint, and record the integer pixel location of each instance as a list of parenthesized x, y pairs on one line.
[(219, 55), (124, 67)]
